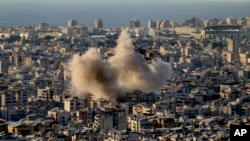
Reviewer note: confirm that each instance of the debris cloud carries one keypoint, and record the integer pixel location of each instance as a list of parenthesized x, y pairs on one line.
[(123, 72)]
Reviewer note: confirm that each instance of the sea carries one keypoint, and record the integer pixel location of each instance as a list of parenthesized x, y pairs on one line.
[(117, 14)]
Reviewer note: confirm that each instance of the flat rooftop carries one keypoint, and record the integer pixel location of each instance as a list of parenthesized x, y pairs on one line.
[(222, 27)]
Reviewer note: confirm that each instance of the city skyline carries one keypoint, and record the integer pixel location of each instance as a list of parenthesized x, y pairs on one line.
[(115, 13)]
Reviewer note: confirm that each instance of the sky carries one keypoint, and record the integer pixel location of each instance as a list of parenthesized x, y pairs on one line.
[(109, 2)]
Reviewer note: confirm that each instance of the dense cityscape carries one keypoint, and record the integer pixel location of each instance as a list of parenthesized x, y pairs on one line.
[(169, 81)]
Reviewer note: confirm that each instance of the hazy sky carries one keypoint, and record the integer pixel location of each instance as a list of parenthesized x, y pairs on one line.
[(98, 0), (107, 1)]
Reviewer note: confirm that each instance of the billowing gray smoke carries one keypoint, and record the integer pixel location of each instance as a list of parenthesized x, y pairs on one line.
[(124, 72)]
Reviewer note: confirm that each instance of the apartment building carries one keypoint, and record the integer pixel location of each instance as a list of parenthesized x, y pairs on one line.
[(14, 97), (74, 103)]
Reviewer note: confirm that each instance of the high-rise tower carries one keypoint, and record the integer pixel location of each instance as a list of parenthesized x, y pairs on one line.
[(72, 23), (151, 24), (135, 23), (98, 23)]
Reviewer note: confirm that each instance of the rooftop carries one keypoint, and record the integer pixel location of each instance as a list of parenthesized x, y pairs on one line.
[(223, 27)]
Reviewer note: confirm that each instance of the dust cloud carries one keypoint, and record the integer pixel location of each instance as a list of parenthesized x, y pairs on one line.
[(123, 72)]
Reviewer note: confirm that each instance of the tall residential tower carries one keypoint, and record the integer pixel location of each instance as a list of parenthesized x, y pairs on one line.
[(98, 23), (135, 23)]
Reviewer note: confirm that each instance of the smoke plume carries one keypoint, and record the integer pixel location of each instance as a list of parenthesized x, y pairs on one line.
[(124, 72)]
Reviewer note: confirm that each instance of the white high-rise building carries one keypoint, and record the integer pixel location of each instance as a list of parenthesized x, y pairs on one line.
[(232, 46), (231, 20), (72, 23), (151, 24), (98, 23), (248, 21)]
